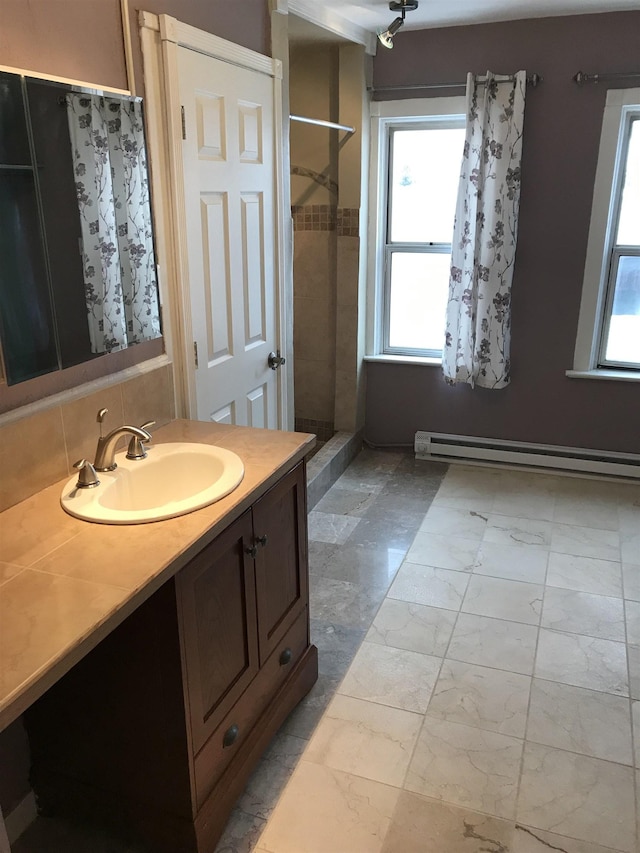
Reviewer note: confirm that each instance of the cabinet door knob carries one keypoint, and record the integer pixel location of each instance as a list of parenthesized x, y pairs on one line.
[(252, 551), (230, 736), (285, 657), (262, 540)]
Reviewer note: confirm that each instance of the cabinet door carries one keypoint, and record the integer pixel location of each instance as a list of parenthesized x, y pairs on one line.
[(216, 591), (280, 530)]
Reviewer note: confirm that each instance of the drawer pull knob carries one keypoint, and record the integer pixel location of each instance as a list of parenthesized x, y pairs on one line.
[(262, 540), (252, 551), (285, 657), (230, 736)]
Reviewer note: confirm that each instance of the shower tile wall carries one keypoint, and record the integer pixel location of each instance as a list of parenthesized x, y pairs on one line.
[(348, 319), (314, 324), (325, 270)]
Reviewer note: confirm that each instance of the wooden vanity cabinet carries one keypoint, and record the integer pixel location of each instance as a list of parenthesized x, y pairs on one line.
[(157, 730)]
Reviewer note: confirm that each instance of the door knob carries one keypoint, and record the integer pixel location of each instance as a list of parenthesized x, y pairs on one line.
[(275, 360)]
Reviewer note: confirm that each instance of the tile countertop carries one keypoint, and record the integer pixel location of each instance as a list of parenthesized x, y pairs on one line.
[(66, 583)]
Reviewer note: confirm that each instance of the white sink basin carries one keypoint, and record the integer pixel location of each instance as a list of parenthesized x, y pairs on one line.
[(173, 480)]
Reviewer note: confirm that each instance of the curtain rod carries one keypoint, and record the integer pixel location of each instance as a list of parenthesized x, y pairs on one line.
[(332, 124), (532, 80), (581, 77)]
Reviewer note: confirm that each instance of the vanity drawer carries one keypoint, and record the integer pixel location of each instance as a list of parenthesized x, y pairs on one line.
[(221, 747)]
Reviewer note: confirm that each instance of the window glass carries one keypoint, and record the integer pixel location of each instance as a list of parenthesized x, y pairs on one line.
[(623, 334), (425, 172), (418, 300), (629, 221)]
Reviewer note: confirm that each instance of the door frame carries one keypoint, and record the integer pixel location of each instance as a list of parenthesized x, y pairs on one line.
[(161, 36)]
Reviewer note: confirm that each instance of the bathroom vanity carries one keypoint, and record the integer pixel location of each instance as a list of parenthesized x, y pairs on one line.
[(155, 718)]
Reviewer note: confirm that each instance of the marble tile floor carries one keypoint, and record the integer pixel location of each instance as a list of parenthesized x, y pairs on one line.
[(479, 690), (479, 687)]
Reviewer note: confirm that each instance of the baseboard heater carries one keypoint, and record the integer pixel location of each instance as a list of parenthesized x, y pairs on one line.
[(492, 451)]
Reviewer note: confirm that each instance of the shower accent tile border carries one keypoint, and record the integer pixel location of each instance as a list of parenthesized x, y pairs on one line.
[(326, 217)]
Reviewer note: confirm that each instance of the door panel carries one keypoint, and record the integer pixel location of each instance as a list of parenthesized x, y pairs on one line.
[(225, 415), (254, 277), (230, 198), (258, 407), (215, 240), (251, 126), (210, 124)]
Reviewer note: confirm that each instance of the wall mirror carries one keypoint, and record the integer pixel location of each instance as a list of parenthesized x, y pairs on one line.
[(77, 263)]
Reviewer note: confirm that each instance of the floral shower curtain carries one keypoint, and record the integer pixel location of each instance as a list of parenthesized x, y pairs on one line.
[(478, 325), (112, 186)]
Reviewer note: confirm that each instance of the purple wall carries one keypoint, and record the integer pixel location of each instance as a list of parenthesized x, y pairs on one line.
[(246, 23), (561, 140)]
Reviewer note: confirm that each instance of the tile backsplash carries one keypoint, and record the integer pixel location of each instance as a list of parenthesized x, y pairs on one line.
[(40, 449)]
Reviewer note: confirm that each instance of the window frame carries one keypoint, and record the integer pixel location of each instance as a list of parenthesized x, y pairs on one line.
[(621, 109), (388, 116)]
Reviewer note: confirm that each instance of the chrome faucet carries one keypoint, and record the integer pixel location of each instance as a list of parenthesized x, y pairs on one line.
[(105, 451)]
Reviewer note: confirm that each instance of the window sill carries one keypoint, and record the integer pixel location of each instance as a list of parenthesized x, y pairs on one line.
[(405, 359), (616, 375)]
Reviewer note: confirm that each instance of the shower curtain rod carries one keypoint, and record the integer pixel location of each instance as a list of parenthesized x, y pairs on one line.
[(581, 77), (322, 123), (532, 80)]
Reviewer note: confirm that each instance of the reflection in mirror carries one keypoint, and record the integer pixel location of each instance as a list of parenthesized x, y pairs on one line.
[(77, 264)]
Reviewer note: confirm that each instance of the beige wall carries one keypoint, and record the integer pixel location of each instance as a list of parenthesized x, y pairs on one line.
[(79, 39), (40, 449), (82, 39), (313, 92)]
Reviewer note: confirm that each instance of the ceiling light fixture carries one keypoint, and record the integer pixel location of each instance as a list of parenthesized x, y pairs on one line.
[(386, 38)]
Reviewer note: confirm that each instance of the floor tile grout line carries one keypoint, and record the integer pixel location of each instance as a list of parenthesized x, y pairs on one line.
[(633, 732), (502, 618), (533, 675)]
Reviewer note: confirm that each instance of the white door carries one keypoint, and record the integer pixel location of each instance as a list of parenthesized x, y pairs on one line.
[(230, 209)]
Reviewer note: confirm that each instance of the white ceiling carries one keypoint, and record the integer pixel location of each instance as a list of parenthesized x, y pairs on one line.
[(374, 15)]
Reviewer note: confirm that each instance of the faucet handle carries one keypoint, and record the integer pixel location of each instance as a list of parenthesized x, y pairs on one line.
[(100, 418), (136, 445), (87, 477)]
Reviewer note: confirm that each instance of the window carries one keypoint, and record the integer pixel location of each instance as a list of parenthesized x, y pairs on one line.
[(417, 170), (620, 340), (608, 341)]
